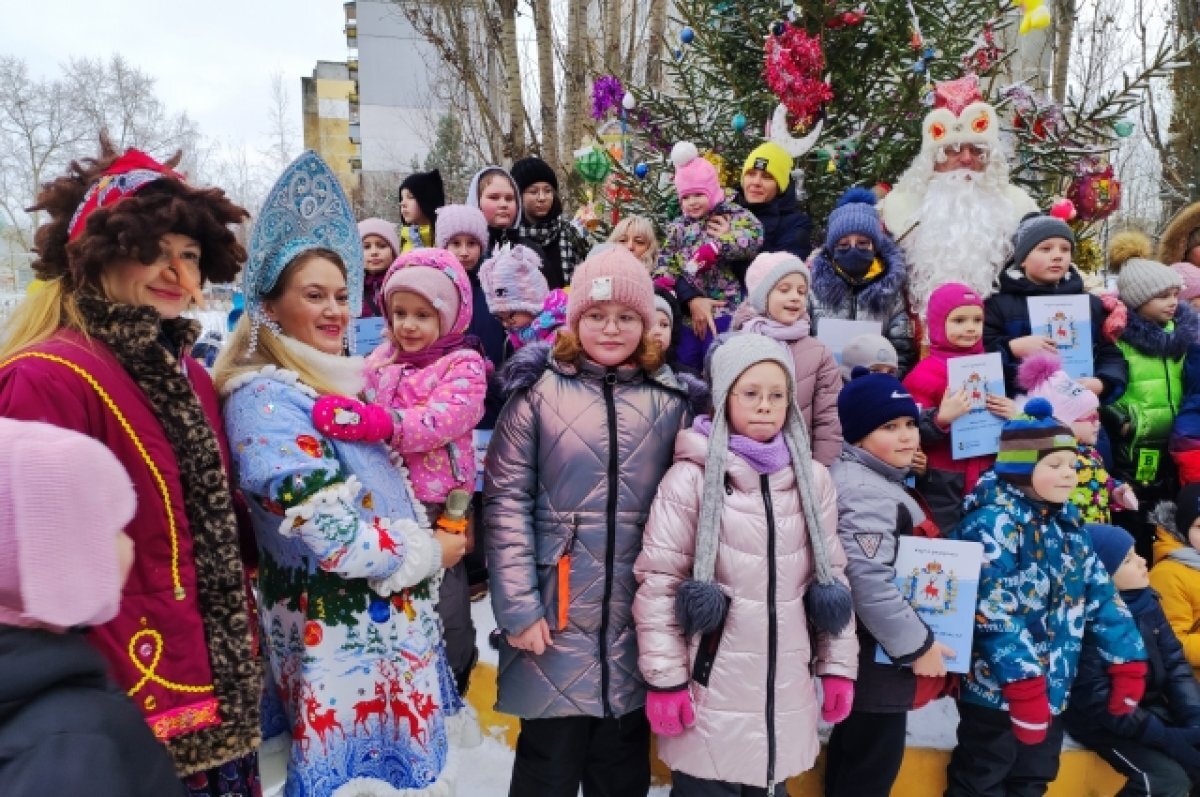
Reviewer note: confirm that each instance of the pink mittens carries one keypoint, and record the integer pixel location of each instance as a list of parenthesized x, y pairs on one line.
[(670, 712), (344, 418), (839, 698)]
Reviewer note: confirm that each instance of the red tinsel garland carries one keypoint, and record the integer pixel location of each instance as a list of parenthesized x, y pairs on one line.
[(793, 63)]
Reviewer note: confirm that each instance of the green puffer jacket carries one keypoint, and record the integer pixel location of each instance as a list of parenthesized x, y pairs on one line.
[(1155, 356)]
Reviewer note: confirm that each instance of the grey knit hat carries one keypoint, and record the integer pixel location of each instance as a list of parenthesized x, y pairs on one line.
[(663, 306), (1141, 279), (868, 351), (1035, 228), (700, 605)]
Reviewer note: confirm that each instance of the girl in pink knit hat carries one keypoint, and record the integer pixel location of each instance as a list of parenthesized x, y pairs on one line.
[(65, 728), (579, 448), (426, 382), (777, 307), (705, 249), (380, 248)]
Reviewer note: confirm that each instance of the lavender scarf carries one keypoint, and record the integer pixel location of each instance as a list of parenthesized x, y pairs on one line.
[(765, 458)]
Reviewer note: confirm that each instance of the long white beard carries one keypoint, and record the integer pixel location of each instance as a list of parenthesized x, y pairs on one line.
[(964, 235)]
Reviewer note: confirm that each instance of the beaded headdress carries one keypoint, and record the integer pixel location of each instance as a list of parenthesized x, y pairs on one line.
[(305, 209)]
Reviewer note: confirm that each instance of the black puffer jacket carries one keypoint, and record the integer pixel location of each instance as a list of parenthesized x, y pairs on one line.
[(1172, 693), (1006, 316), (64, 729)]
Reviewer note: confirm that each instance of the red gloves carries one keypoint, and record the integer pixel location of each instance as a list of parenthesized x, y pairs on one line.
[(704, 259), (1028, 708), (343, 418), (1128, 686), (670, 712), (839, 697)]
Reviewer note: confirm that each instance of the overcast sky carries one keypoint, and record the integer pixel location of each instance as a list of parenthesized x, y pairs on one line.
[(211, 58)]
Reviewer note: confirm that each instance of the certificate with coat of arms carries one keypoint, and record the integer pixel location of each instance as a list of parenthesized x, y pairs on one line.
[(940, 579), (977, 433), (1066, 320)]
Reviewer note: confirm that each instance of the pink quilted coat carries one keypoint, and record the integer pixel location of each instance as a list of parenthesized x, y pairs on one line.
[(734, 739)]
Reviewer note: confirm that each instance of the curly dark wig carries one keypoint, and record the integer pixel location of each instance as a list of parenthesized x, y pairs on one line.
[(133, 227)]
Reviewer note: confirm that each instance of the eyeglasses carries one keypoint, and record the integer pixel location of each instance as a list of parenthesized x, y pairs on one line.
[(862, 246), (751, 399), (1093, 418), (598, 322)]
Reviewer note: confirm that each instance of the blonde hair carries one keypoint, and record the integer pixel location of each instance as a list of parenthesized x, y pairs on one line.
[(44, 311), (638, 225), (236, 359)]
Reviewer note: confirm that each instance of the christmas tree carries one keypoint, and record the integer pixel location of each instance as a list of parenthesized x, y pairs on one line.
[(861, 71)]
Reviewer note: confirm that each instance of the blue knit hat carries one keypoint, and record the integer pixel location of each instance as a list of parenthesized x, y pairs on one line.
[(854, 213), (869, 400), (1028, 437), (1112, 544)]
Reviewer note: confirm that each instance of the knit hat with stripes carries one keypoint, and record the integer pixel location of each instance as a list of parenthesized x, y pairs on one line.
[(1027, 438)]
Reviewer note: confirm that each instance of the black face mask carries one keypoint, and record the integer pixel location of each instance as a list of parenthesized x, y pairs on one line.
[(853, 262)]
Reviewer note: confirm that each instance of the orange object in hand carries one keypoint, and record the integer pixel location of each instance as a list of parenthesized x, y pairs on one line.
[(564, 590), (453, 519)]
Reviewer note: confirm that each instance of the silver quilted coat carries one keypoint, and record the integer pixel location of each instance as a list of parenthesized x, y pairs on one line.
[(572, 469)]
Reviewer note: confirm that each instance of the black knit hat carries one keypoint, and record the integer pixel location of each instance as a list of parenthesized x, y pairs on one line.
[(533, 169), (427, 189), (1035, 228)]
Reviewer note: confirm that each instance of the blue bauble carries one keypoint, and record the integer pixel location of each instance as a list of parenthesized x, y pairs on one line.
[(641, 170), (687, 35), (678, 55), (739, 122), (379, 610)]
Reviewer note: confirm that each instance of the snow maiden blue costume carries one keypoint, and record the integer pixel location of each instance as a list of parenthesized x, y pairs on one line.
[(348, 565)]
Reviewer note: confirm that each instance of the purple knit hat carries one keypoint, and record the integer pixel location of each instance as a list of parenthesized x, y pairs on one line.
[(455, 220), (610, 274), (384, 229), (44, 580), (512, 280), (438, 277)]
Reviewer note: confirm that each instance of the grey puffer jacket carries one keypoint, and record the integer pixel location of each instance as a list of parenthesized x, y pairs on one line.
[(572, 469), (874, 511)]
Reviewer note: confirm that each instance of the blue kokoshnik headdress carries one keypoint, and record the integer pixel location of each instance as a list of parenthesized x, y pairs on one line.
[(305, 209)]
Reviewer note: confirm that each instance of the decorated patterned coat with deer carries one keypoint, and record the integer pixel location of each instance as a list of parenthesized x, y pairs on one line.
[(347, 604)]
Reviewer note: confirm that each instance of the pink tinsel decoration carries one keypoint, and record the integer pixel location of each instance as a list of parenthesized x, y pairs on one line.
[(793, 65)]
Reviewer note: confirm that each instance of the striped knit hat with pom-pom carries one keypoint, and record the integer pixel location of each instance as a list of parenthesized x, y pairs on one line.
[(1026, 438), (1139, 279)]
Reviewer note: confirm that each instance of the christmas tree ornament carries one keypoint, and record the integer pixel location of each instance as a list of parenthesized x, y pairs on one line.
[(687, 35), (1034, 15), (852, 19), (1063, 208), (738, 122), (641, 170), (607, 95), (1094, 190), (628, 102), (778, 27), (1123, 128), (592, 163), (678, 54), (778, 132), (794, 62)]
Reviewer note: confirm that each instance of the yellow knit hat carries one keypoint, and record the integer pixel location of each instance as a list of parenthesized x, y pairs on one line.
[(774, 160)]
